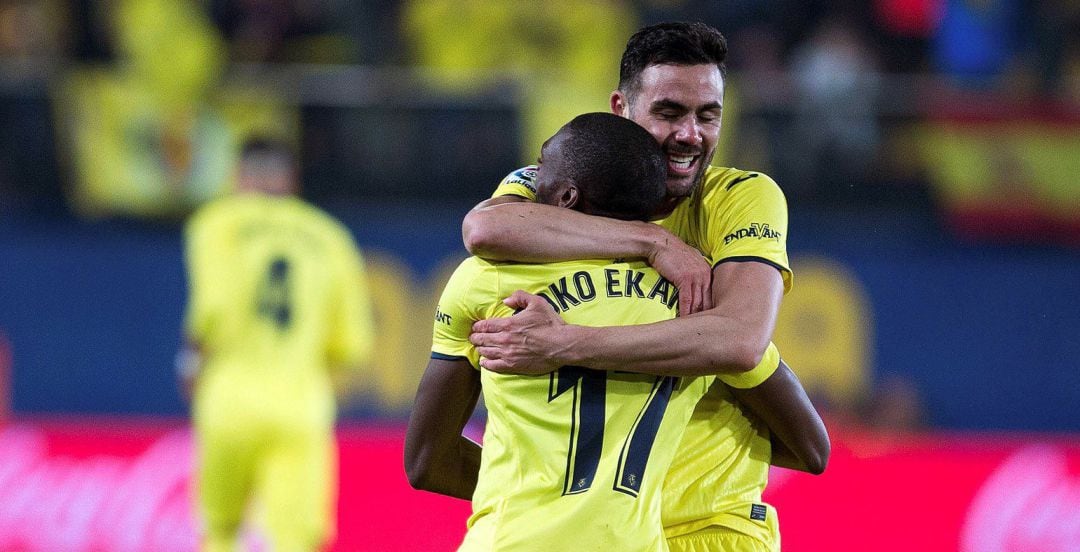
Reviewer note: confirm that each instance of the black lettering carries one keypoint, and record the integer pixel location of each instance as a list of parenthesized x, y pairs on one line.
[(584, 285), (662, 289), (553, 304), (633, 283), (443, 317), (562, 295), (674, 299), (612, 277)]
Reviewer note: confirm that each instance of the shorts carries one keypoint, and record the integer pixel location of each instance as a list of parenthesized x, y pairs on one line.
[(290, 471), (718, 539)]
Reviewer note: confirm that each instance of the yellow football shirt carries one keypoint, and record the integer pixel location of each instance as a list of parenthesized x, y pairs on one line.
[(722, 465), (572, 460), (277, 298)]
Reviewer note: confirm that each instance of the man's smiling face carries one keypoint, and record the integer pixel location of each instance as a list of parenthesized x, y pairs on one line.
[(680, 105)]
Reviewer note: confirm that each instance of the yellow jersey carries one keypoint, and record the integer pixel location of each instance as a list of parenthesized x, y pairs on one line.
[(572, 460), (721, 468), (277, 298)]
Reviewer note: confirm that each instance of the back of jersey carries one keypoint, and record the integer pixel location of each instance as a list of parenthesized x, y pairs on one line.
[(276, 295), (575, 459)]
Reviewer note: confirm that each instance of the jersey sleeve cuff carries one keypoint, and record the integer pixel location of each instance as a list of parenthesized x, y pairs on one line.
[(770, 361)]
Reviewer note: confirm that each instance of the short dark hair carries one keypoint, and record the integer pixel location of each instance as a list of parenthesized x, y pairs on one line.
[(673, 43), (618, 167)]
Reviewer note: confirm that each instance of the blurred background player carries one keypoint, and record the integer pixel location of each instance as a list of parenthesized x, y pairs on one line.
[(277, 304)]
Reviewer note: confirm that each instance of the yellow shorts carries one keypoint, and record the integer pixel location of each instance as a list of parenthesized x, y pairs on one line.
[(291, 472), (718, 539)]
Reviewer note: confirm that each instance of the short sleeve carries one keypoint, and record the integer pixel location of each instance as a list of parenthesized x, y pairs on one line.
[(749, 222), (520, 183), (467, 298)]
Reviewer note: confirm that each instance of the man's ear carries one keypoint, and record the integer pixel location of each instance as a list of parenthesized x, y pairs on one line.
[(569, 197), (620, 104)]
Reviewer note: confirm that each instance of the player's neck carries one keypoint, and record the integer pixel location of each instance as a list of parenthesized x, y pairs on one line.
[(667, 207)]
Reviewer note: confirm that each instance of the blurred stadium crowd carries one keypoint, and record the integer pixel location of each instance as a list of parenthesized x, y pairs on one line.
[(928, 150)]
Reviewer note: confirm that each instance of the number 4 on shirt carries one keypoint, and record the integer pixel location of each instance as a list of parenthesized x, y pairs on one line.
[(273, 302)]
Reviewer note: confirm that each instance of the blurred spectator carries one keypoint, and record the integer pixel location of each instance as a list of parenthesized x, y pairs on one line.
[(894, 404), (1068, 85), (755, 100), (91, 31), (32, 30), (153, 134), (905, 30), (308, 31), (562, 49), (32, 39), (977, 40), (788, 19), (836, 134), (900, 176), (1051, 29), (29, 179)]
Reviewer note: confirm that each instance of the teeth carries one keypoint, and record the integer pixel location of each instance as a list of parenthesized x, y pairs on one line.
[(681, 161)]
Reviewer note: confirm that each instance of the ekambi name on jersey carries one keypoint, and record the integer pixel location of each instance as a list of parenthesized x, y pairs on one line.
[(571, 291)]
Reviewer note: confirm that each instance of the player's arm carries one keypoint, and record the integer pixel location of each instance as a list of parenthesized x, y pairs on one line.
[(514, 228), (729, 338), (800, 440), (351, 338), (438, 458), (511, 227), (201, 248)]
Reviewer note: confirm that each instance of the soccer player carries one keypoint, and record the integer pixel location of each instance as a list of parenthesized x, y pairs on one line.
[(278, 307), (573, 460), (672, 83)]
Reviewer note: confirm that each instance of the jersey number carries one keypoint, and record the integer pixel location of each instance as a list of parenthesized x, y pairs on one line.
[(273, 302), (587, 429)]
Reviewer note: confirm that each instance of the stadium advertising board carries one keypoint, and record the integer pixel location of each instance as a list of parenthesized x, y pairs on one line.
[(126, 486)]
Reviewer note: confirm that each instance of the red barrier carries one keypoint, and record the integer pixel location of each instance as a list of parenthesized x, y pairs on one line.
[(974, 493), (125, 486)]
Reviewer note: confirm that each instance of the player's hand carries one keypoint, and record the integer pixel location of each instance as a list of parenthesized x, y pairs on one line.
[(188, 364), (186, 387), (526, 343), (685, 267)]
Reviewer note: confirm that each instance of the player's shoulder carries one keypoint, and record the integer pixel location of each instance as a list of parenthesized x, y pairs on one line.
[(727, 179), (473, 267), (520, 182), (525, 176), (216, 212), (317, 219), (724, 185), (472, 274)]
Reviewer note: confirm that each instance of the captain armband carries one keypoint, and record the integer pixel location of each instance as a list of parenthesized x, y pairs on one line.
[(770, 361)]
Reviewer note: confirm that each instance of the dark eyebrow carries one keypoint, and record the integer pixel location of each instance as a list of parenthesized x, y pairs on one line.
[(669, 104), (711, 106), (672, 104)]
